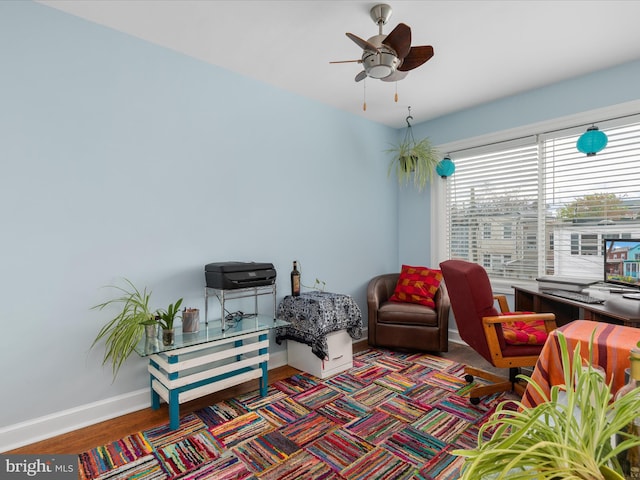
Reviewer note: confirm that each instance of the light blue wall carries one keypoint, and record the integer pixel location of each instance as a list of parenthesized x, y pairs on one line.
[(123, 159), (597, 90)]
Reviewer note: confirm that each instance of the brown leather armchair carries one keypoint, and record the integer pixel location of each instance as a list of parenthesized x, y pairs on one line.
[(406, 325)]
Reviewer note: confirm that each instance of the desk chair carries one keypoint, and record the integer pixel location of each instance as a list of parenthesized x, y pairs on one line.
[(505, 339)]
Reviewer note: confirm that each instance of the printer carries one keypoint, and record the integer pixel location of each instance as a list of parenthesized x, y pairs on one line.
[(230, 275)]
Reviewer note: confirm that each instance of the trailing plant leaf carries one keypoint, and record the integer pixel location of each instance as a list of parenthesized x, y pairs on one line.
[(568, 436), (122, 333)]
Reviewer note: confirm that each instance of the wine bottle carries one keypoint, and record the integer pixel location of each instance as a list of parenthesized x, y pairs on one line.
[(295, 280), (630, 459)]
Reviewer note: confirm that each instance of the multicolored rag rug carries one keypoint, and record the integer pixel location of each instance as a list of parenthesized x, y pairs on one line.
[(392, 416)]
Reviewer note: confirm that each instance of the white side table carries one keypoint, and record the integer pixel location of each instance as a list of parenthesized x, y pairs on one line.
[(321, 326)]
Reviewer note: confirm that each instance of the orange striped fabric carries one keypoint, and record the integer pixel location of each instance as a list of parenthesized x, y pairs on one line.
[(612, 344)]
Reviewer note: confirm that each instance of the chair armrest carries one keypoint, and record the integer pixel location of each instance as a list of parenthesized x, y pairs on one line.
[(549, 319), (380, 288), (443, 305), (493, 342), (502, 302)]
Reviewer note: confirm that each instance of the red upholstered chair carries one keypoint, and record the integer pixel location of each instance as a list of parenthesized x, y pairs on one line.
[(489, 332)]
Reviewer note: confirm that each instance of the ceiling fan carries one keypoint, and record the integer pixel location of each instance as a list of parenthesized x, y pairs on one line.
[(388, 57)]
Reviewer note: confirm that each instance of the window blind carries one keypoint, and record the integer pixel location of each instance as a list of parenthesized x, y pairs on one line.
[(537, 206), (493, 200), (588, 199)]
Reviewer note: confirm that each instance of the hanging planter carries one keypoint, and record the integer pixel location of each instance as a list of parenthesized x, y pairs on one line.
[(413, 160)]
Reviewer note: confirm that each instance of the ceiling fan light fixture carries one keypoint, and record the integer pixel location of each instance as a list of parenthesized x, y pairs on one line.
[(388, 57), (379, 65), (380, 71)]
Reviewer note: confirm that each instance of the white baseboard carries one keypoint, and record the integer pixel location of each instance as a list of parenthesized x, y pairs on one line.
[(38, 429), (277, 359), (454, 336), (42, 428)]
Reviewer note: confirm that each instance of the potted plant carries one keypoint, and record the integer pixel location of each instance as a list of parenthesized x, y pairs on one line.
[(125, 329), (166, 318), (151, 328), (568, 436), (411, 158)]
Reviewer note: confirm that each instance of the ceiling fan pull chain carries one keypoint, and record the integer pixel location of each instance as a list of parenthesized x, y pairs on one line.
[(364, 99), (396, 96)]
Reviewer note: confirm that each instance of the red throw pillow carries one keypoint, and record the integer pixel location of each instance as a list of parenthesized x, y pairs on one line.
[(417, 285)]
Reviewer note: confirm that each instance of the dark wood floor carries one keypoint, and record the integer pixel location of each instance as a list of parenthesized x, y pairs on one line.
[(104, 432)]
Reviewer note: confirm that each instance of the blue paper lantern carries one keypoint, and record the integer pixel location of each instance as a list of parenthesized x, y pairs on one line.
[(591, 141), (445, 167)]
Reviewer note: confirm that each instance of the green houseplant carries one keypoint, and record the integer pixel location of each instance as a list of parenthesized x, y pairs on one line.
[(550, 441), (166, 318), (413, 159), (126, 328)]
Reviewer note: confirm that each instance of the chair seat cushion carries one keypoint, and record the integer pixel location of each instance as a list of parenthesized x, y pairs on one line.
[(417, 285), (399, 313), (525, 333)]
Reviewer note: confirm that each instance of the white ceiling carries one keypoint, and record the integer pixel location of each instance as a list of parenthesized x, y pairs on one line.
[(484, 50)]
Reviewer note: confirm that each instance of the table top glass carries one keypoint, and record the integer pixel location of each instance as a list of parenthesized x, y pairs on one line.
[(208, 333)]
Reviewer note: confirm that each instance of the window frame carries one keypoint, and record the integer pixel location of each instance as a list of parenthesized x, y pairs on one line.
[(438, 194)]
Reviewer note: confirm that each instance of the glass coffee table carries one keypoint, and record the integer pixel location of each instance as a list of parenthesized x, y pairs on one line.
[(207, 361)]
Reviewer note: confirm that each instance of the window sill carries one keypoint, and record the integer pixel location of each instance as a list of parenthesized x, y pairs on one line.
[(504, 286)]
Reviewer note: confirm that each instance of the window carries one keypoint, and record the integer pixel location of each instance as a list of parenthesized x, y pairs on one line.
[(486, 231), (552, 204)]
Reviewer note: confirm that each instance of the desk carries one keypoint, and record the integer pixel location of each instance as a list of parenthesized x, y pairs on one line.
[(207, 361), (612, 344), (616, 309)]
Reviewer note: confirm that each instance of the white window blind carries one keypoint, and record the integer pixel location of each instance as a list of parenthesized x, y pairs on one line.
[(537, 206), (589, 199), (493, 200)]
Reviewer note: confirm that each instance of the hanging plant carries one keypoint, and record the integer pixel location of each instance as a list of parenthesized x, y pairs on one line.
[(412, 159)]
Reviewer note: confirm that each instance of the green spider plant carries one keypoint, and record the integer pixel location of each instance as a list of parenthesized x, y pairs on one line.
[(548, 441), (125, 330), (414, 159), (168, 316)]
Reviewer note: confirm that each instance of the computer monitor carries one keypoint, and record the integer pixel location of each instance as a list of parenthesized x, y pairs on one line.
[(622, 262)]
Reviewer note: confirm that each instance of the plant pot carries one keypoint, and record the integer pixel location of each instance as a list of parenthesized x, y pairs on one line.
[(190, 320), (408, 163), (151, 345), (151, 331), (168, 336)]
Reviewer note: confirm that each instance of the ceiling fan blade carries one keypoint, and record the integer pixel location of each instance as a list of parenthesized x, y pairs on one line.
[(363, 44), (347, 61), (416, 57), (399, 39), (361, 76), (395, 76)]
